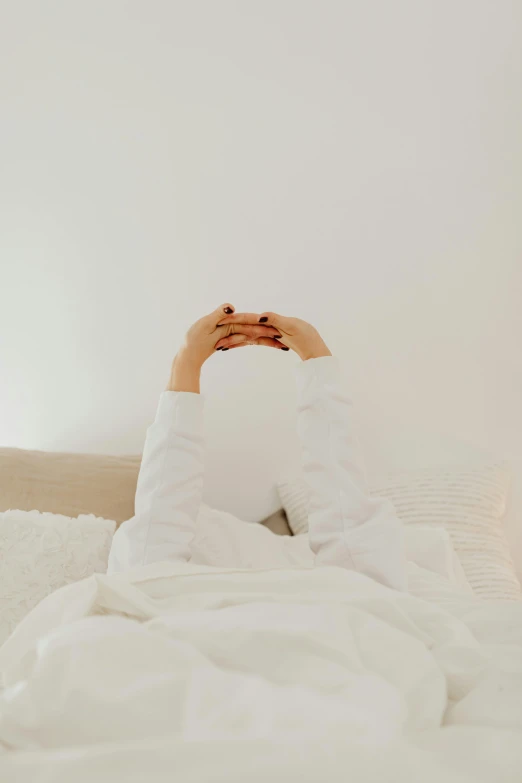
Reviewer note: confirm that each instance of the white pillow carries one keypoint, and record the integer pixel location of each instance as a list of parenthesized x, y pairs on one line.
[(41, 552), (468, 503)]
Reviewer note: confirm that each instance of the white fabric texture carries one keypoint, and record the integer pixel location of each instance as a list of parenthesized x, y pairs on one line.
[(304, 674), (468, 503), (43, 552), (40, 552), (223, 541), (347, 526)]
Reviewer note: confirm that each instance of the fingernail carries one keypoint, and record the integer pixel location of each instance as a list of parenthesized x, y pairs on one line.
[(284, 348), (228, 310), (224, 349), (263, 320), (219, 349)]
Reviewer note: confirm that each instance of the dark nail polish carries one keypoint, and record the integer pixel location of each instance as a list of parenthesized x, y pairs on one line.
[(284, 348), (228, 310), (263, 320), (224, 349), (219, 349)]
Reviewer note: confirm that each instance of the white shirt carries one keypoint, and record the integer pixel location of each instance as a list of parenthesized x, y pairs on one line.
[(347, 527)]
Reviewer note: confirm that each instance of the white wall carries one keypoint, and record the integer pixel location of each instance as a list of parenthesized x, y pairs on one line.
[(355, 163)]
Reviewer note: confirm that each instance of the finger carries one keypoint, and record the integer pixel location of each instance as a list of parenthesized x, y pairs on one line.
[(239, 318), (247, 333), (239, 345), (233, 339), (267, 342), (273, 319), (257, 330), (220, 312)]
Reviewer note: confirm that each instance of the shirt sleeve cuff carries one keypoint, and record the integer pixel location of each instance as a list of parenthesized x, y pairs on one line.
[(323, 370), (183, 409)]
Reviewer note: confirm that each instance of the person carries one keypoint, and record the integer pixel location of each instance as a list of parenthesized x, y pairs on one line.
[(347, 527)]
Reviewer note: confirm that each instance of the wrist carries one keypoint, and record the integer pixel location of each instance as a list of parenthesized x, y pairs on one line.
[(188, 358), (315, 352), (185, 374)]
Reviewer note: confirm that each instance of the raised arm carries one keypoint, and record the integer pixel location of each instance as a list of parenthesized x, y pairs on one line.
[(170, 483), (347, 527), (170, 487)]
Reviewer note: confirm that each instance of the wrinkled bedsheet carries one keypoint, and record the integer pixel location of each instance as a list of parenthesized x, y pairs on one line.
[(192, 673)]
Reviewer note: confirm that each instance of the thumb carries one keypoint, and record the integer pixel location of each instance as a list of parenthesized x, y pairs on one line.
[(273, 319), (216, 315), (224, 309)]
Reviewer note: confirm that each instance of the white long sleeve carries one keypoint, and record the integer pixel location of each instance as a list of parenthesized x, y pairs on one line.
[(170, 487), (347, 527)]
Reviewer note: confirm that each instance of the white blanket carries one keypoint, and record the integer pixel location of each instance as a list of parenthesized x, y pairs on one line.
[(192, 673)]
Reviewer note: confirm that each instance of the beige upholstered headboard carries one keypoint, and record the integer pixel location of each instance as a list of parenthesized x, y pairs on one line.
[(73, 484), (69, 484)]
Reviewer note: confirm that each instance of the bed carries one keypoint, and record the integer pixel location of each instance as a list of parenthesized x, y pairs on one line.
[(208, 673)]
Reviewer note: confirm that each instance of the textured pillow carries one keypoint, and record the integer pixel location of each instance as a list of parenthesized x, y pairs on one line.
[(69, 484), (40, 553), (468, 502)]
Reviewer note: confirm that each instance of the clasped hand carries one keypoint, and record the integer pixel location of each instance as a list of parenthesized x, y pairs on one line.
[(224, 329)]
